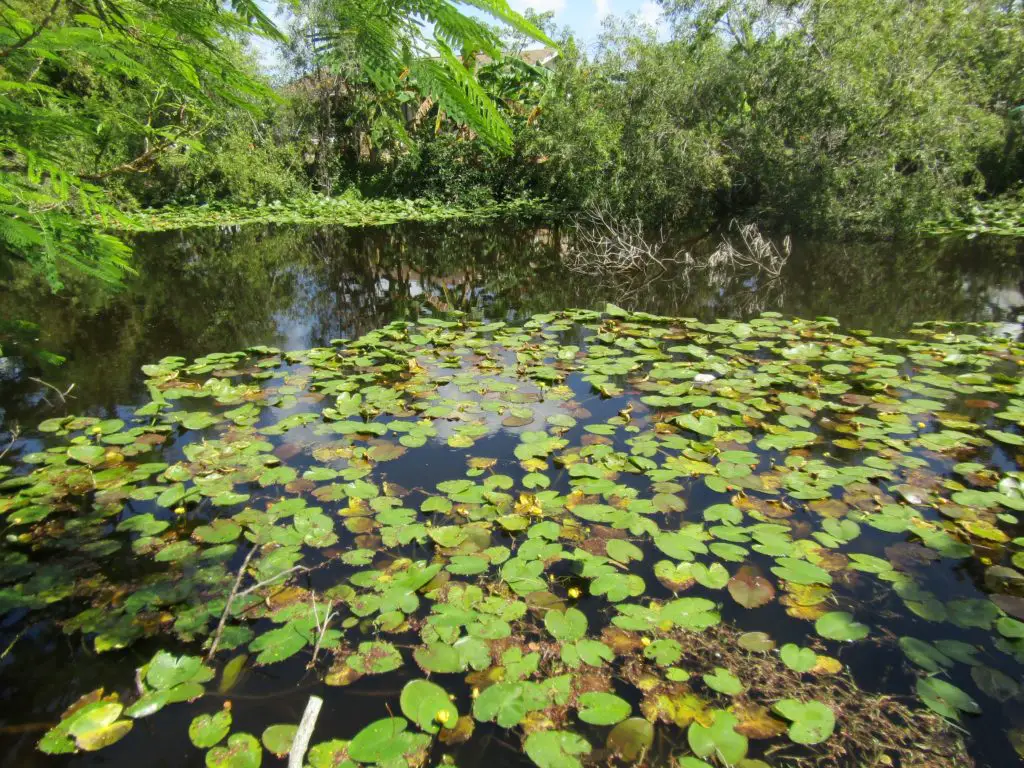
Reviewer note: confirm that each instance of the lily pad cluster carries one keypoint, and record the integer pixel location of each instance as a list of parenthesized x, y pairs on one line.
[(554, 529)]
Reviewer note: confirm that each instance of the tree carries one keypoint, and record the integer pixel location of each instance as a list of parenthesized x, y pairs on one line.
[(430, 46), (64, 68)]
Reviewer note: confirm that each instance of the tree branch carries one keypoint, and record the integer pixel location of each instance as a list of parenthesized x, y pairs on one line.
[(35, 32), (227, 605)]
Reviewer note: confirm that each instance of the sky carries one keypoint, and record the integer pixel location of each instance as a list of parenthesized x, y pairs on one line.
[(584, 17)]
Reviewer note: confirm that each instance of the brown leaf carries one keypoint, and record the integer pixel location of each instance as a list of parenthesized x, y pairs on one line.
[(750, 588)]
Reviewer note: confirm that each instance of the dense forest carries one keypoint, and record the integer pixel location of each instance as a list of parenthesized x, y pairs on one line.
[(862, 118)]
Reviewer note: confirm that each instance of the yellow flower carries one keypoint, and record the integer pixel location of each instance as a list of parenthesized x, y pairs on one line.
[(574, 592), (645, 641), (443, 716), (179, 510)]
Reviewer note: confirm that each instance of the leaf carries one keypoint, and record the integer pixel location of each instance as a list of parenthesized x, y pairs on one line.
[(798, 659), (104, 737), (278, 644), (840, 625), (567, 627), (723, 681), (556, 749), (599, 708), (87, 454), (242, 751), (994, 683), (427, 705), (720, 739), (695, 613), (206, 731), (801, 572), (945, 698), (631, 739), (380, 741), (750, 589), (811, 722), (438, 657), (167, 671), (278, 739), (507, 703)]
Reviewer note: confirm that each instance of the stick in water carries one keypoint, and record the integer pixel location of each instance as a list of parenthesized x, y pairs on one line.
[(302, 736)]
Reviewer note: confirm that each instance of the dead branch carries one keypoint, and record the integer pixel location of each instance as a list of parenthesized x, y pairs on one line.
[(601, 245), (62, 395), (300, 743), (227, 605)]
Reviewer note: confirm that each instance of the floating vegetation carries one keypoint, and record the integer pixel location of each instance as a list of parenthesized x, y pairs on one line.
[(319, 209), (607, 536), (1002, 215)]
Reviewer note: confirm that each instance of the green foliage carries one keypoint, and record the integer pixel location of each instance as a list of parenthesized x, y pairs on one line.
[(846, 117), (389, 41), (88, 93)]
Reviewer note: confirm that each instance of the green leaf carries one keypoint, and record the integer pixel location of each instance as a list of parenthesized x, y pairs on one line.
[(720, 739), (945, 698), (599, 708), (567, 627), (380, 741), (206, 731), (278, 739), (798, 659), (723, 681), (811, 722), (427, 705), (840, 625), (507, 703), (556, 749), (241, 751)]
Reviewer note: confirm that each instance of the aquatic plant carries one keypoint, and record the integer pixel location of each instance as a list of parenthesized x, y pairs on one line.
[(556, 528), (322, 210)]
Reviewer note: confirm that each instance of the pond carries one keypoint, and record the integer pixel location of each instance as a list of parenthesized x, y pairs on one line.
[(672, 524)]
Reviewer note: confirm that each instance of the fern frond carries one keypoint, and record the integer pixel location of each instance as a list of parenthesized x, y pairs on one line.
[(458, 93), (501, 10)]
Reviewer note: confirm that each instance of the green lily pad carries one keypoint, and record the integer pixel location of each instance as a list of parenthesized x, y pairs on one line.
[(720, 739), (810, 722), (840, 625), (556, 749), (599, 708), (207, 731), (241, 751), (427, 704)]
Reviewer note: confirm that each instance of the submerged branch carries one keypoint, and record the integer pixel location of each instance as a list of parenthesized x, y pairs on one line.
[(227, 605)]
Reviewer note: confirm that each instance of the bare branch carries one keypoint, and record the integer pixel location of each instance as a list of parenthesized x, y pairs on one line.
[(300, 743), (227, 605)]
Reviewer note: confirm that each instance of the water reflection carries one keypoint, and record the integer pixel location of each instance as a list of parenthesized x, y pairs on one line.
[(207, 290)]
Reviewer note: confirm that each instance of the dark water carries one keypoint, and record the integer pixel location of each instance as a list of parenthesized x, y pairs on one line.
[(199, 292)]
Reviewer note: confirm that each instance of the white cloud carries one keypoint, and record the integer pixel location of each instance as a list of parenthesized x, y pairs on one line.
[(650, 12), (540, 6), (604, 8)]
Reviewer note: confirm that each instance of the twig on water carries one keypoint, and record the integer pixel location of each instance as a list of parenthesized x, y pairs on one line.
[(272, 579), (227, 606), (15, 434), (10, 647), (62, 395), (300, 743), (322, 629)]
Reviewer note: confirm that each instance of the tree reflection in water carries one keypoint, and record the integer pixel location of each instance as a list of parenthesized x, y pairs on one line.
[(215, 290)]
